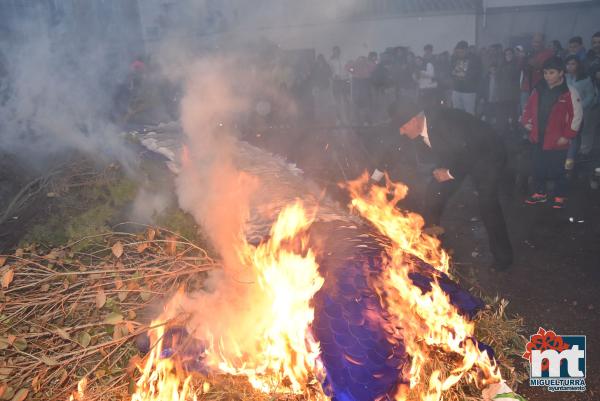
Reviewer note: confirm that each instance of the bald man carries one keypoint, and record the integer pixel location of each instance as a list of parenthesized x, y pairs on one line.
[(460, 145)]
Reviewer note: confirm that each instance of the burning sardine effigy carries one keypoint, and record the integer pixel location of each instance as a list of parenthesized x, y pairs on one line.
[(314, 298)]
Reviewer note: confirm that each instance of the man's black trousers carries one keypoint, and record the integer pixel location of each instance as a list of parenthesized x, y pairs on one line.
[(485, 178)]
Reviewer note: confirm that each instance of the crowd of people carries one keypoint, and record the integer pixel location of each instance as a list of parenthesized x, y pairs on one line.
[(546, 95), (543, 94)]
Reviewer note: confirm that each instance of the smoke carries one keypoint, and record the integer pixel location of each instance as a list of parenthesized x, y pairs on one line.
[(58, 98), (211, 188)]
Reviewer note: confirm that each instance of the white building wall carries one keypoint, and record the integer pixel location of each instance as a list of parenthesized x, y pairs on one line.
[(520, 3), (359, 37), (512, 25)]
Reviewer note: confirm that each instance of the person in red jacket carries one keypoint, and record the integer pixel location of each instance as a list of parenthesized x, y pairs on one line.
[(552, 116), (532, 68)]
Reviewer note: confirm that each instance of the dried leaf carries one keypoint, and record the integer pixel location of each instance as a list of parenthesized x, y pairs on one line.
[(100, 373), (19, 253), (4, 343), (6, 392), (145, 294), (7, 278), (118, 333), (52, 255), (62, 333), (100, 298), (49, 360), (85, 339), (64, 375), (35, 383), (171, 246), (11, 339), (133, 286), (132, 386), (2, 260), (150, 234), (133, 364), (131, 315), (21, 395), (113, 318), (117, 249), (130, 327), (5, 373), (122, 295), (118, 284), (142, 247), (20, 344), (45, 287)]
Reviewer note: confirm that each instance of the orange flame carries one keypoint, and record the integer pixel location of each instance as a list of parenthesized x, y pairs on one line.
[(270, 342), (80, 393), (161, 378), (278, 352), (424, 321)]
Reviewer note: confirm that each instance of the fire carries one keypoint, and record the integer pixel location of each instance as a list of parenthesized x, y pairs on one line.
[(404, 229), (289, 280), (425, 322), (260, 327), (80, 393), (278, 352), (162, 379)]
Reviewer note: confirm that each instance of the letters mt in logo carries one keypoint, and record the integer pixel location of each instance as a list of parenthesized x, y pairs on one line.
[(556, 361)]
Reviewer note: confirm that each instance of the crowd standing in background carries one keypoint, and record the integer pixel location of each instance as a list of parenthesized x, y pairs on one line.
[(546, 96), (541, 97)]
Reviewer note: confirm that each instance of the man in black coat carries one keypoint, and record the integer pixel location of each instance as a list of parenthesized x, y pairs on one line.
[(460, 145)]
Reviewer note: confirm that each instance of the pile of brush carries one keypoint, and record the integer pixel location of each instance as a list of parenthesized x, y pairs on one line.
[(68, 315)]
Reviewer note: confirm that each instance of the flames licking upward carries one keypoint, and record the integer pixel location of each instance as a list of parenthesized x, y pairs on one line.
[(424, 321), (277, 352)]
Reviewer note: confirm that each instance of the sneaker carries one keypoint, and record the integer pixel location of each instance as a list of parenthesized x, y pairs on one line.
[(536, 198), (558, 203)]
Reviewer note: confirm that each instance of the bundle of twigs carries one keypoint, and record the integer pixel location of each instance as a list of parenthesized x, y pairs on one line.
[(67, 315)]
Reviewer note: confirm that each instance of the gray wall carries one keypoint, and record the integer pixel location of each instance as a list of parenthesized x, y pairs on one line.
[(357, 38), (512, 25), (114, 24)]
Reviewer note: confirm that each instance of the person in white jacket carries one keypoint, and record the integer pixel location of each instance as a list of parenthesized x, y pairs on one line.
[(424, 76)]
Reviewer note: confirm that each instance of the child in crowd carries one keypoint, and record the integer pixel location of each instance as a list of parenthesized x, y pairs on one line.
[(552, 116)]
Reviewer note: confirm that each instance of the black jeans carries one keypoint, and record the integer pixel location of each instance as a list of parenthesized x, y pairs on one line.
[(549, 165), (486, 177)]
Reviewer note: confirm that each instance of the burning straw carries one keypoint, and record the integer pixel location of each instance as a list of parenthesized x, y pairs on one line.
[(67, 316)]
